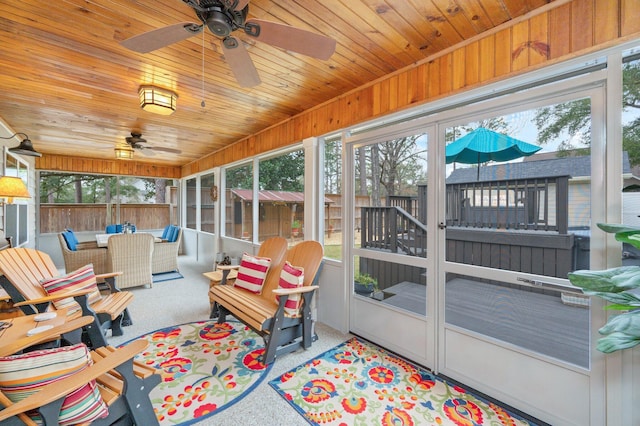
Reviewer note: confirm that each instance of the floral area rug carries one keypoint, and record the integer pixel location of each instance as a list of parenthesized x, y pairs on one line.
[(357, 383), (206, 367)]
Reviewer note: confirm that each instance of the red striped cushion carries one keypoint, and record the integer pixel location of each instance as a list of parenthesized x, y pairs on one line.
[(22, 375), (291, 277), (252, 272), (80, 279)]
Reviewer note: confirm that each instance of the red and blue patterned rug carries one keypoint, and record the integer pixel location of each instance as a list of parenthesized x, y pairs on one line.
[(206, 367), (357, 383)]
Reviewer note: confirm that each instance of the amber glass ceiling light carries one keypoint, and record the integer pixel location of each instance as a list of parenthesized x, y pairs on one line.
[(157, 100), (124, 153), (25, 147), (13, 187)]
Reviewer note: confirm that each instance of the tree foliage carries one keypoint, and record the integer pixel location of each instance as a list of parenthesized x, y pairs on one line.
[(283, 173), (390, 168), (90, 189), (240, 177), (574, 118), (333, 167)]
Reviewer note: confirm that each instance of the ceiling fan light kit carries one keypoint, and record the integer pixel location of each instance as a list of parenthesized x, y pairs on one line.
[(25, 147), (157, 100), (124, 153)]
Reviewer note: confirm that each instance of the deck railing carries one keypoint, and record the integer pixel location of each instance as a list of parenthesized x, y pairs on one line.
[(393, 229), (538, 204), (533, 212)]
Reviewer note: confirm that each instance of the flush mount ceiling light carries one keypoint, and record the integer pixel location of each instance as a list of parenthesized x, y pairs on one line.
[(157, 100), (25, 147), (124, 153)]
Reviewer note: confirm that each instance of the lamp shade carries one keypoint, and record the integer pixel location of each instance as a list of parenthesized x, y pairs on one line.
[(11, 187), (157, 100)]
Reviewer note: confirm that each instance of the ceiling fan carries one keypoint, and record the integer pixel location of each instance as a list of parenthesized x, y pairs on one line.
[(137, 142), (223, 17)]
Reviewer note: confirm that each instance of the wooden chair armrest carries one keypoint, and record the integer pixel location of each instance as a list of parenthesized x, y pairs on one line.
[(57, 390), (227, 267), (108, 275), (47, 299), (45, 336), (299, 290)]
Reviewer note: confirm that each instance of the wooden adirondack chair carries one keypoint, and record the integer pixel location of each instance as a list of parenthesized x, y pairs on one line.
[(22, 270), (282, 332), (123, 385), (274, 248)]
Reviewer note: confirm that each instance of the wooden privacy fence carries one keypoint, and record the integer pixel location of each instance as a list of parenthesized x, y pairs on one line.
[(95, 217)]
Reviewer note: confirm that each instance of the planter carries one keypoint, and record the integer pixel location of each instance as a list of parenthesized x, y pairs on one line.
[(363, 289)]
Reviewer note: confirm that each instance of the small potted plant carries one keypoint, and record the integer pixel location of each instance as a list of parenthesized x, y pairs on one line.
[(295, 228), (364, 284)]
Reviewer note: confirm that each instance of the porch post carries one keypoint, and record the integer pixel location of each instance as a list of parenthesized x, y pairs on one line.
[(313, 191)]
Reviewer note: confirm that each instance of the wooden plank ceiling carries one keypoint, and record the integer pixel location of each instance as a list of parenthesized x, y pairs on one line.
[(68, 83)]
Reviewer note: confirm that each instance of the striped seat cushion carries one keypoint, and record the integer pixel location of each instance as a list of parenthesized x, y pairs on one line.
[(22, 375), (80, 279), (291, 277), (252, 272)]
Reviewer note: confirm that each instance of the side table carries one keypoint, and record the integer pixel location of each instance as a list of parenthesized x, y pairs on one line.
[(218, 277)]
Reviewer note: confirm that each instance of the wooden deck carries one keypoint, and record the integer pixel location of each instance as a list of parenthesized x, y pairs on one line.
[(535, 321)]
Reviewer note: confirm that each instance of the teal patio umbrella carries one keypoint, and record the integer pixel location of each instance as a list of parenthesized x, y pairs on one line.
[(482, 145)]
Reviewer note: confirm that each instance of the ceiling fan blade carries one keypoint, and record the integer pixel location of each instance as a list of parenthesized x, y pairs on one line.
[(161, 37), (291, 38), (240, 62), (159, 148), (146, 152)]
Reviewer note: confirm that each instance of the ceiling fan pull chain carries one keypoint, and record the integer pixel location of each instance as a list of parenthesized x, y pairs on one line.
[(202, 104)]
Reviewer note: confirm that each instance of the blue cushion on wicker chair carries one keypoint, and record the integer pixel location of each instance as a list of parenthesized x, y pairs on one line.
[(165, 232), (71, 240), (173, 234)]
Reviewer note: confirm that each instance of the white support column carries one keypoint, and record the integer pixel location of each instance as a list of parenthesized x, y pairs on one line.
[(313, 191)]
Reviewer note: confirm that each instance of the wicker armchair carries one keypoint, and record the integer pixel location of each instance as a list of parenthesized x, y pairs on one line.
[(74, 259), (131, 254), (165, 255)]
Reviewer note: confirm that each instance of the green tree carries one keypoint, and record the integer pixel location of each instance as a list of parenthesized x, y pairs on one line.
[(92, 189), (333, 167), (240, 177), (574, 118), (283, 173)]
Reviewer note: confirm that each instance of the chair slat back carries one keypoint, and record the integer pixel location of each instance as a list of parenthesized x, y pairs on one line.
[(306, 254), (276, 249), (24, 268)]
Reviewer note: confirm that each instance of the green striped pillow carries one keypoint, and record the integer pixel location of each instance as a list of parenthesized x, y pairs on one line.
[(22, 375), (80, 279)]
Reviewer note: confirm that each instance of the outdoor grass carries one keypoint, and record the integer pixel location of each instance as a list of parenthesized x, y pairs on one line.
[(333, 251)]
